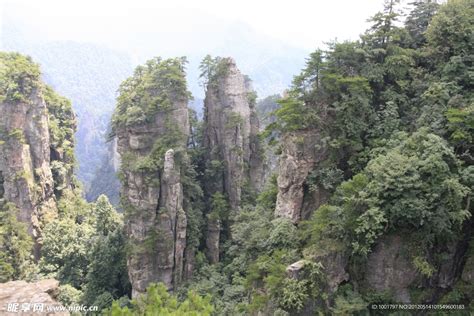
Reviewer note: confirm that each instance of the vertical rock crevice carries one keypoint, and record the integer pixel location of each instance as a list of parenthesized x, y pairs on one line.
[(231, 141), (301, 153), (152, 147), (30, 126)]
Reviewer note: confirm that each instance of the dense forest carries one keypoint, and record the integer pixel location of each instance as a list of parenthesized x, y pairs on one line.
[(349, 189)]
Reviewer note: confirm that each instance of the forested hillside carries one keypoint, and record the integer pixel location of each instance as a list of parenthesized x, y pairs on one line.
[(349, 189)]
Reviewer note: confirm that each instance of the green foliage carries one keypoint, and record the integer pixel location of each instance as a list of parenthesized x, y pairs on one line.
[(212, 69), (62, 126), (292, 294), (65, 251), (393, 112), (85, 250), (331, 227), (69, 295), (15, 244), (293, 115), (451, 30), (17, 134), (282, 235), (157, 301), (287, 293), (107, 271), (19, 77), (328, 178), (234, 120), (228, 291), (418, 21), (461, 128), (423, 266), (219, 207), (348, 302), (153, 88), (106, 217), (415, 185)]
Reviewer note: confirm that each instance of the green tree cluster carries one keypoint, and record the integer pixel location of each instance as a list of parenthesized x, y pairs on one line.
[(151, 89)]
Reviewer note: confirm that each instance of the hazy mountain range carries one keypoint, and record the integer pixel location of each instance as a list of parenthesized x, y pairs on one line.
[(90, 73)]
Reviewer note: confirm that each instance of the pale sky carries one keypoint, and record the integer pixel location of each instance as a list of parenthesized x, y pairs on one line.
[(300, 23)]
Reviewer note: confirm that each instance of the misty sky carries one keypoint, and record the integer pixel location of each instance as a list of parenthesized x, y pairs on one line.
[(304, 24)]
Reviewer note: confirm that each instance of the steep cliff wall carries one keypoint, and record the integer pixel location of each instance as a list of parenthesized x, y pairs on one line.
[(36, 160), (302, 152), (152, 147), (231, 128), (231, 141)]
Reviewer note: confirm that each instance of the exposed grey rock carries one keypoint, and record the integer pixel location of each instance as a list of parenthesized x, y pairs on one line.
[(25, 162), (155, 219), (388, 268), (294, 270), (468, 271), (231, 132), (447, 272), (334, 267), (231, 138), (212, 240), (301, 152), (42, 293)]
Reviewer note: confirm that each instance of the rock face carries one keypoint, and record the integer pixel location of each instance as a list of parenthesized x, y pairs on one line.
[(32, 158), (388, 269), (301, 153), (32, 298), (153, 200), (231, 139), (231, 129), (25, 162)]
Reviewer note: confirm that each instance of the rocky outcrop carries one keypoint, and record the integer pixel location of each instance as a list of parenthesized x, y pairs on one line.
[(23, 298), (213, 240), (25, 162), (152, 196), (231, 139), (390, 270), (30, 151), (231, 129), (301, 153)]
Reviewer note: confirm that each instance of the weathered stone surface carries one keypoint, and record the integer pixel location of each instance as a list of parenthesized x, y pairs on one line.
[(334, 267), (231, 138), (448, 272), (468, 271), (231, 129), (25, 162), (388, 268), (212, 240), (294, 270), (301, 153), (155, 220), (43, 293)]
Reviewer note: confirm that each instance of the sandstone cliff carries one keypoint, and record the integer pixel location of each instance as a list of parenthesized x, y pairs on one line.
[(36, 160), (37, 297), (231, 142), (301, 153), (231, 128), (153, 154)]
